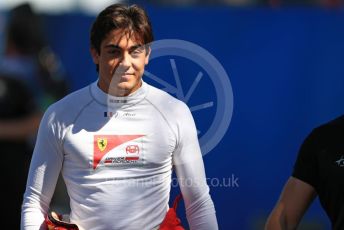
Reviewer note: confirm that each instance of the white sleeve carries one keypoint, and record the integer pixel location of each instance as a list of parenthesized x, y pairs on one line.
[(189, 166), (44, 171)]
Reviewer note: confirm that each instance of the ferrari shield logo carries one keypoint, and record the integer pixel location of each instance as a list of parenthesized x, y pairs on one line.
[(102, 143)]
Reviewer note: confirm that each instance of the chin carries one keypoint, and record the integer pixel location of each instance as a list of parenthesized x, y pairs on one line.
[(124, 86)]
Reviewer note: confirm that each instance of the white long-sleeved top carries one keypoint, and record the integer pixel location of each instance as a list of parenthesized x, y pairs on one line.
[(116, 155)]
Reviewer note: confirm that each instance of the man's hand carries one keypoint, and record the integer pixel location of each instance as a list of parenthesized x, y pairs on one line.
[(55, 221)]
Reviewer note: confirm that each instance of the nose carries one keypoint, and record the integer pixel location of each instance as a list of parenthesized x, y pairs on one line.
[(125, 61)]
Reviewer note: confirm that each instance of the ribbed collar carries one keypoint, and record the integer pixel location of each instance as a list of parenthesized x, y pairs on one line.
[(118, 102)]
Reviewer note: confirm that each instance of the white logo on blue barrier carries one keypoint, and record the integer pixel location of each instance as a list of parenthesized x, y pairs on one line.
[(217, 74)]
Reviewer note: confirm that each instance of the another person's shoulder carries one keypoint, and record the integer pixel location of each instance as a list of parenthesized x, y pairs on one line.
[(337, 123), (314, 150), (328, 131)]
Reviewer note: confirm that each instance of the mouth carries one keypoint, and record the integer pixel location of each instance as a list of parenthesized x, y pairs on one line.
[(123, 77), (123, 74)]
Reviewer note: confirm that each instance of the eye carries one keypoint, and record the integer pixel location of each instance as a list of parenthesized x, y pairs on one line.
[(114, 52), (137, 50)]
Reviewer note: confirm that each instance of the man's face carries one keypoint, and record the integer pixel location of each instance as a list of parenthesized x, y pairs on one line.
[(121, 63)]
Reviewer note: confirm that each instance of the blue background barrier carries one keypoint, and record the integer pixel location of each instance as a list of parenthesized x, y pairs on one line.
[(286, 72)]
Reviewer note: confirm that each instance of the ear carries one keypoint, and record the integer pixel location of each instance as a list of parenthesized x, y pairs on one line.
[(95, 55), (148, 51)]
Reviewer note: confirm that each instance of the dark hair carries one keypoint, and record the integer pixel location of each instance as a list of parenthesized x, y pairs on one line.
[(24, 30), (131, 19)]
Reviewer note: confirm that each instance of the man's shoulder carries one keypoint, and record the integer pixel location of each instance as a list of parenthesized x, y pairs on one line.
[(71, 103), (77, 97), (160, 98)]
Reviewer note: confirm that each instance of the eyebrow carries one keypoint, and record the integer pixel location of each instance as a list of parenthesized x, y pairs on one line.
[(117, 47)]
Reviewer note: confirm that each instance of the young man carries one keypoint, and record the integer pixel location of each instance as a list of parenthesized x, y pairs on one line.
[(116, 140), (319, 171)]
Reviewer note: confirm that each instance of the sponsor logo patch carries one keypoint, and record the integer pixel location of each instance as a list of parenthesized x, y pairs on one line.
[(102, 143), (340, 162), (116, 150)]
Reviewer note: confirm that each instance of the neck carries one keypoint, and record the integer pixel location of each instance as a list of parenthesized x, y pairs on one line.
[(116, 91)]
